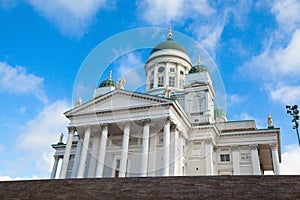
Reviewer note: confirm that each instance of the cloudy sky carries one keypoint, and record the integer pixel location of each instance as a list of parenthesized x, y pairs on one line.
[(255, 45)]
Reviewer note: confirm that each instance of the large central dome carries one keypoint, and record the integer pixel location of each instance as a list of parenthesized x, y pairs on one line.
[(169, 44)]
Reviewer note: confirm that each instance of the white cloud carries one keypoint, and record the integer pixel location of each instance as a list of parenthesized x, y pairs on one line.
[(204, 22), (72, 18), (235, 99), (131, 67), (290, 160), (8, 178), (39, 133), (157, 12), (287, 13), (276, 64), (16, 80), (209, 35), (286, 94)]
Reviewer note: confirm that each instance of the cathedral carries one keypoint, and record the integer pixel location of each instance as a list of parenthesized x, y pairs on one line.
[(174, 128)]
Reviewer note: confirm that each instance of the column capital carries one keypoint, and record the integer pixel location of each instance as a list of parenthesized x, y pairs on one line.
[(174, 127), (253, 146), (146, 121), (71, 129), (87, 128), (235, 147), (104, 125), (273, 146), (168, 119), (215, 148), (126, 123)]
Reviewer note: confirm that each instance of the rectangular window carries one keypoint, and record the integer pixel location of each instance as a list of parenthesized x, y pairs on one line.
[(151, 84), (181, 72), (160, 82), (152, 73), (224, 157), (118, 164), (171, 81), (172, 69)]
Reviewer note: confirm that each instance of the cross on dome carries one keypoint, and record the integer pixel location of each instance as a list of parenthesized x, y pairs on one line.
[(110, 75), (170, 34)]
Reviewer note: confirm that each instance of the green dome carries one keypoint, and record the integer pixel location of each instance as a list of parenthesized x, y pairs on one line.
[(219, 112), (198, 68), (169, 44), (108, 82)]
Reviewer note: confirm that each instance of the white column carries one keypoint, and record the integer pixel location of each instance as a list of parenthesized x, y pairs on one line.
[(94, 155), (77, 158), (275, 159), (236, 159), (182, 153), (145, 148), (166, 149), (124, 153), (84, 152), (54, 169), (167, 71), (102, 151), (152, 155), (255, 159), (66, 158), (209, 157), (174, 152)]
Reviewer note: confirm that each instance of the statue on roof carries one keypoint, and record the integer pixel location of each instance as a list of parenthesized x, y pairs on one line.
[(270, 121), (61, 137), (121, 83), (79, 102), (168, 92)]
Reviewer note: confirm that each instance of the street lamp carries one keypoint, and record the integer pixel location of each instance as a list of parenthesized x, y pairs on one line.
[(293, 110)]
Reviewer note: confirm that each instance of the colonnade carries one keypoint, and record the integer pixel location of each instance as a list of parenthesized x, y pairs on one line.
[(97, 163), (255, 160)]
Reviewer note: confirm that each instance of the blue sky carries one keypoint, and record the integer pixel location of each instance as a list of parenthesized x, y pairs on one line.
[(255, 45)]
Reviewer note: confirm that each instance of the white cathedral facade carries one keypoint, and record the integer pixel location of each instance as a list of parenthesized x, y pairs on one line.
[(175, 128)]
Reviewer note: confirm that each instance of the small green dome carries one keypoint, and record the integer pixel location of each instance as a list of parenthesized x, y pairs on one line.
[(108, 82), (169, 44), (219, 112), (198, 68)]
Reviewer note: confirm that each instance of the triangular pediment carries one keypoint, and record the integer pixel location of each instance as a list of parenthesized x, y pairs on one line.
[(117, 100)]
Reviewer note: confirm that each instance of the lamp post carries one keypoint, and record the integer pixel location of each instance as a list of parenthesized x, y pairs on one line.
[(293, 110)]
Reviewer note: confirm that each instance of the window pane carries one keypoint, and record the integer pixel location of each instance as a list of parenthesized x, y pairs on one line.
[(224, 157), (171, 81), (151, 84), (160, 82)]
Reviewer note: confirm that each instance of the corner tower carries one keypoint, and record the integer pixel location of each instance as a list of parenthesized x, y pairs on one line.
[(166, 67)]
